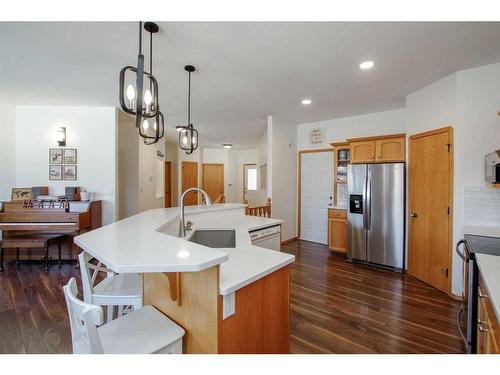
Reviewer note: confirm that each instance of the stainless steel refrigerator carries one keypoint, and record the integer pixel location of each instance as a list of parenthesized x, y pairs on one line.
[(376, 214)]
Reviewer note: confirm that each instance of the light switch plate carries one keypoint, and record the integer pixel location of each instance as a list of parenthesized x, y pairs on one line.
[(228, 305)]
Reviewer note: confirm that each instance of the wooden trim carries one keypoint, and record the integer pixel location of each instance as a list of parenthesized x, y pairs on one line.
[(340, 144), (448, 130), (432, 132), (299, 180), (246, 165), (288, 241), (167, 177), (377, 137), (495, 186)]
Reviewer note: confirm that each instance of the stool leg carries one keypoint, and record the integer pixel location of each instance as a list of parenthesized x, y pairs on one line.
[(46, 257), (1, 259), (17, 256), (59, 251)]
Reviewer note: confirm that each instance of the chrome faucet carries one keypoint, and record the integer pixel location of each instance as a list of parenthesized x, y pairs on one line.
[(182, 225)]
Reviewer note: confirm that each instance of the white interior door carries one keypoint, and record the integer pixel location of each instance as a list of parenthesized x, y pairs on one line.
[(316, 195)]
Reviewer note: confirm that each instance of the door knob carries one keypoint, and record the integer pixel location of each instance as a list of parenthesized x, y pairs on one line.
[(413, 214)]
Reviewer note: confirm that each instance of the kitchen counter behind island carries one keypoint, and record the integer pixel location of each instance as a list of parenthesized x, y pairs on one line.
[(229, 300)]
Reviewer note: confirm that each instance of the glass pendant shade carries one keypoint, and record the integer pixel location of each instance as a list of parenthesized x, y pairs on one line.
[(139, 92), (188, 139)]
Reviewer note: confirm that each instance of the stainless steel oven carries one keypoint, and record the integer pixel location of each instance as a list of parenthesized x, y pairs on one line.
[(466, 249)]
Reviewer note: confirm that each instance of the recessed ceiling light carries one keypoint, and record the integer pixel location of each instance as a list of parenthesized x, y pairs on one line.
[(306, 101), (366, 65), (227, 145)]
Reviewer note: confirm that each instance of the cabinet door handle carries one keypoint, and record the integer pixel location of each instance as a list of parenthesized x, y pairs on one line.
[(413, 214), (482, 329), (481, 295)]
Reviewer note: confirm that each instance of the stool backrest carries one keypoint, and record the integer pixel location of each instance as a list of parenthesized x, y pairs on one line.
[(89, 274), (84, 319)]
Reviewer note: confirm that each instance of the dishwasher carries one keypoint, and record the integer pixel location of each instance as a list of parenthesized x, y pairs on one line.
[(269, 238)]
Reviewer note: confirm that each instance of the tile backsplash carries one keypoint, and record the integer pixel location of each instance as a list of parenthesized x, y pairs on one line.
[(342, 196), (481, 205)]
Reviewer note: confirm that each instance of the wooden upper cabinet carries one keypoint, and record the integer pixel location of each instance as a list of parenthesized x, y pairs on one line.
[(391, 149), (380, 149), (362, 152)]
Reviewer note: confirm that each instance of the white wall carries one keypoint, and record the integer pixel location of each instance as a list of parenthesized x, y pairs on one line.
[(128, 166), (263, 159), (283, 175), (91, 130), (7, 151), (338, 130), (151, 173)]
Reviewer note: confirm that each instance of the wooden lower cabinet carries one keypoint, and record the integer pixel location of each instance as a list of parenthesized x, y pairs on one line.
[(488, 329), (260, 324), (337, 230)]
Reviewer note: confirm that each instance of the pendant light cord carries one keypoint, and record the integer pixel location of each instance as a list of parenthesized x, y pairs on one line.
[(189, 100), (140, 38)]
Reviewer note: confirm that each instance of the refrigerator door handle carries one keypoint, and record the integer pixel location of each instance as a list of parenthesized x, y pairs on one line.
[(368, 208), (365, 183)]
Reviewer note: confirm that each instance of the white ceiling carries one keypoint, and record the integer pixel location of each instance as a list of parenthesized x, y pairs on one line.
[(245, 70)]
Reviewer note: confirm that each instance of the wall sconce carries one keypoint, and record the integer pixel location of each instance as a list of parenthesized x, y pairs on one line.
[(61, 136)]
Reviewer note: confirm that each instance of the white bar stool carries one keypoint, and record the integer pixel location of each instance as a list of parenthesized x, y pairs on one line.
[(142, 331), (115, 290)]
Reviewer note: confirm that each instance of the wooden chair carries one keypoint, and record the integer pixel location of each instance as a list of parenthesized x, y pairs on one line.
[(143, 331), (261, 211), (33, 241), (115, 290)]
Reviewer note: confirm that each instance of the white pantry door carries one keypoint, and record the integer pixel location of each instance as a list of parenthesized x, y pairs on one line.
[(316, 195)]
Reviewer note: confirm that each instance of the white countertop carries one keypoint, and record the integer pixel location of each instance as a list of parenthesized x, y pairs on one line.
[(489, 266), (338, 207), (482, 230), (147, 242)]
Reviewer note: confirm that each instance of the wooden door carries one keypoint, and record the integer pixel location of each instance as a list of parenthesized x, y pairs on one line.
[(430, 207), (213, 180), (168, 184), (390, 150), (189, 180), (362, 152)]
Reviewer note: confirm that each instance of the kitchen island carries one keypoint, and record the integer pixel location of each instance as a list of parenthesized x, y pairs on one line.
[(232, 299)]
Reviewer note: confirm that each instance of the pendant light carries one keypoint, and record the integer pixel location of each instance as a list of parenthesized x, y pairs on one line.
[(188, 135), (143, 105)]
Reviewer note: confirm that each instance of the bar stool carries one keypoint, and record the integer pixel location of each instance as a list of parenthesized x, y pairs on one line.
[(143, 331), (114, 290)]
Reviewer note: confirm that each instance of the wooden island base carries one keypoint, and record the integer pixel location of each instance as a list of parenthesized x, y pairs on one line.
[(192, 300)]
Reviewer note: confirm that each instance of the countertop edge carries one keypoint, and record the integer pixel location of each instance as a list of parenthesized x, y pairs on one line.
[(258, 276), (495, 302)]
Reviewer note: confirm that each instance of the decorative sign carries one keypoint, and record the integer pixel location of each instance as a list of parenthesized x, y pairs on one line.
[(317, 136)]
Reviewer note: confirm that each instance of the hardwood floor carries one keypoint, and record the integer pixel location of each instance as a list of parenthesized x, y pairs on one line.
[(33, 315), (340, 307), (336, 307)]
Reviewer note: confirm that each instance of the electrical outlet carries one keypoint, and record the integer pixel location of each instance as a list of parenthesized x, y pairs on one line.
[(228, 305)]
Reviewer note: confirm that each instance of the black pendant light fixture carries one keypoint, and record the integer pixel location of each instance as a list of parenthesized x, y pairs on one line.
[(143, 105), (188, 135)]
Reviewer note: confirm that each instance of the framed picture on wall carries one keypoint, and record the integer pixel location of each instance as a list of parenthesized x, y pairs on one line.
[(55, 172), (55, 155), (69, 156), (21, 194), (69, 172)]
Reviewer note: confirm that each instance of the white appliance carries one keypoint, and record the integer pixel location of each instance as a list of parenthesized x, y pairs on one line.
[(269, 238)]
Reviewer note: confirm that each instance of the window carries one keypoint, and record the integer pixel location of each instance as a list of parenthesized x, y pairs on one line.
[(251, 179)]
